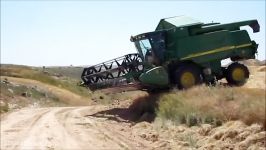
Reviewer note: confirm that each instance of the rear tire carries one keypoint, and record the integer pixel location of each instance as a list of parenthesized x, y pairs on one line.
[(237, 74), (187, 76)]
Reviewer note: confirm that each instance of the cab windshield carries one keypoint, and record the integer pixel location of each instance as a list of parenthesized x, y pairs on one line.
[(144, 47), (151, 46)]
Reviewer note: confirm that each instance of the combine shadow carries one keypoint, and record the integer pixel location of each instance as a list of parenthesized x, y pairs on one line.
[(142, 109)]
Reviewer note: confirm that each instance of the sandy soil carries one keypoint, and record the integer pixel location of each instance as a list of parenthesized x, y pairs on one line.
[(102, 127), (64, 128), (257, 78)]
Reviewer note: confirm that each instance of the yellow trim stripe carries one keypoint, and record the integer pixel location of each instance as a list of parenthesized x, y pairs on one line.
[(221, 49), (243, 45)]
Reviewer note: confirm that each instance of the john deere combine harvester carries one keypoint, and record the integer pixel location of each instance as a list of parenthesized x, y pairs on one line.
[(180, 52)]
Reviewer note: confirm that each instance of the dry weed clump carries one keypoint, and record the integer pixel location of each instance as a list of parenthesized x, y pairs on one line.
[(262, 69), (204, 104), (143, 107), (3, 107)]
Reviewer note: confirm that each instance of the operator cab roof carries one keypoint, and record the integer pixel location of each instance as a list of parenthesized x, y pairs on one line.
[(178, 21), (145, 35), (168, 23)]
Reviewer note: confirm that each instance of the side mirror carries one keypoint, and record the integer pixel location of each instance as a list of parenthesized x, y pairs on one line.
[(131, 38)]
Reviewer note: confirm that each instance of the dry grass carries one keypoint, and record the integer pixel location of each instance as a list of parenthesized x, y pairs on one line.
[(3, 107), (16, 96), (262, 69), (144, 103), (214, 105), (72, 72), (35, 73)]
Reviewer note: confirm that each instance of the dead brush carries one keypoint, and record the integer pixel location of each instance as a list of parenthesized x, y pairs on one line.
[(262, 69), (144, 106), (204, 104)]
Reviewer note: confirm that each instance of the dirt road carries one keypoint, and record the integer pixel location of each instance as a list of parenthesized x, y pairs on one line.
[(65, 128), (96, 127)]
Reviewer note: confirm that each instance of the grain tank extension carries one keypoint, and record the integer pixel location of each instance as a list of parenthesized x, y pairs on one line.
[(180, 52)]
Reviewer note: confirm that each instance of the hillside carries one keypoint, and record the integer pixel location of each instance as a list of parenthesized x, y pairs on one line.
[(27, 85), (69, 71), (52, 109)]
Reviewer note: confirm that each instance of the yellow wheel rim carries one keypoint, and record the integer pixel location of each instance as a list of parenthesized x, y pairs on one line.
[(238, 74), (187, 79)]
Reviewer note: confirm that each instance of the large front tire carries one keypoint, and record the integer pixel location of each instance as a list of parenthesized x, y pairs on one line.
[(187, 76), (237, 74)]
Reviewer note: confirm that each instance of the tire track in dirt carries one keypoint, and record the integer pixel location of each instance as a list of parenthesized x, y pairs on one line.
[(63, 128), (101, 130), (15, 130), (52, 136)]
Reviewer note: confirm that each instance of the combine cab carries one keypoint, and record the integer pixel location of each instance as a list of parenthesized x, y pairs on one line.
[(180, 52)]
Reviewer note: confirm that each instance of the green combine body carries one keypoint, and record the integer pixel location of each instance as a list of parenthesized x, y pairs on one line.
[(182, 52)]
